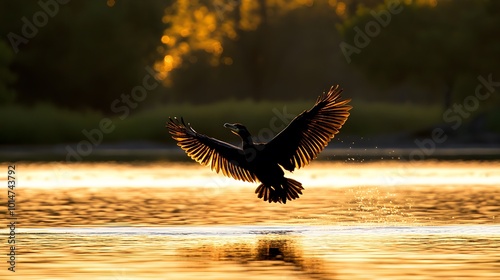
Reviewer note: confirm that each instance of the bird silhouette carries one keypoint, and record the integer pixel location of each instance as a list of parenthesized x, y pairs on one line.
[(294, 147)]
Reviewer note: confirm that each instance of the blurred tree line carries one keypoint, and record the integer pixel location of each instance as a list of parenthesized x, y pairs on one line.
[(439, 46), (78, 54), (86, 54)]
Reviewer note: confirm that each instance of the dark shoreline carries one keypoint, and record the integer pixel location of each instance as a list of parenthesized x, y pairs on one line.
[(339, 151)]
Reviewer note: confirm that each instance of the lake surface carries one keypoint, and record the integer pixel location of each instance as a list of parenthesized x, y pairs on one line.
[(167, 220)]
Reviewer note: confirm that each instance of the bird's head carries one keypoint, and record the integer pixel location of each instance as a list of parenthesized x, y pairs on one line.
[(237, 129)]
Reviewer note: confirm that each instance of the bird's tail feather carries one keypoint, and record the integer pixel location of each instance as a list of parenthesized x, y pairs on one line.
[(287, 189)]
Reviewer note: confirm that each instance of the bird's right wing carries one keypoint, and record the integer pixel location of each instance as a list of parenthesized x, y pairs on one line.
[(219, 155), (309, 133)]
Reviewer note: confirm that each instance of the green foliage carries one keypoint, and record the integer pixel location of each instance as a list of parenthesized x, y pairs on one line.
[(7, 95), (493, 121), (383, 118), (87, 54), (288, 53), (45, 124), (437, 48)]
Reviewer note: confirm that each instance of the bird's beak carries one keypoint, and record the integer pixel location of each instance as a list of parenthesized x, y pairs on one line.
[(231, 126)]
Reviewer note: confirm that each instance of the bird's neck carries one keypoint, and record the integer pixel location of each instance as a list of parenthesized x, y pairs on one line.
[(248, 147), (247, 140)]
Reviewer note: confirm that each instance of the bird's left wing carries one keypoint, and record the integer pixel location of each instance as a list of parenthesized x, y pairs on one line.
[(219, 155), (309, 133)]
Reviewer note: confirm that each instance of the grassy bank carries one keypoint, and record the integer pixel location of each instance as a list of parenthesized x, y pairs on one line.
[(45, 124)]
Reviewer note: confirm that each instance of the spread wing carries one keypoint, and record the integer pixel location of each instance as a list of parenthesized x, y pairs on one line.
[(219, 155), (309, 133)]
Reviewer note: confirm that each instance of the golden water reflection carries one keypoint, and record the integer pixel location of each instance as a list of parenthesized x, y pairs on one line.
[(163, 220), (239, 206), (307, 252), (165, 194)]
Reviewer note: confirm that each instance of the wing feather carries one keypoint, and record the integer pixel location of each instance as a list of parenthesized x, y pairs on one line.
[(218, 155), (309, 133)]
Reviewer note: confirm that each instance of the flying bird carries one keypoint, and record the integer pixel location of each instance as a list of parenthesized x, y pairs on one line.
[(294, 147)]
